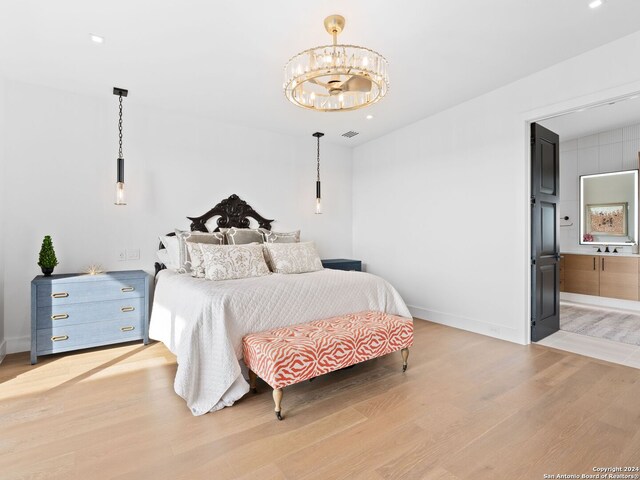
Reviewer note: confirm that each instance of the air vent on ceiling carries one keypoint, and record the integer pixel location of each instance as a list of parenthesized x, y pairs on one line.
[(350, 134)]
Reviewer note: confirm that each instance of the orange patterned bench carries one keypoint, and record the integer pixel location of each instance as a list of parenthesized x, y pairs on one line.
[(288, 355)]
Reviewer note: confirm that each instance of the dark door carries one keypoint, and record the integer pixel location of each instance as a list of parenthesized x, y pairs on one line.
[(545, 242)]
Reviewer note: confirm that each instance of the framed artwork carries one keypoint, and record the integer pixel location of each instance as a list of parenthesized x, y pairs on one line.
[(607, 219)]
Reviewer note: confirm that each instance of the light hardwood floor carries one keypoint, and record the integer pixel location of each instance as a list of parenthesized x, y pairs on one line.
[(468, 407)]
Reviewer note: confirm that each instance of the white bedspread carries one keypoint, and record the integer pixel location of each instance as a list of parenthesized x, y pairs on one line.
[(202, 321)]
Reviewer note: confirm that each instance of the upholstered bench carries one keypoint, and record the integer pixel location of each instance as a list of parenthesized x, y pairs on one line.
[(288, 355)]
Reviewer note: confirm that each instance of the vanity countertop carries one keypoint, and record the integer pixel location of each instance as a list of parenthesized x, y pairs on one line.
[(602, 254)]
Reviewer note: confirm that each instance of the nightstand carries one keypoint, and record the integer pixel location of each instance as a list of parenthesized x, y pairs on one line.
[(342, 264), (75, 311)]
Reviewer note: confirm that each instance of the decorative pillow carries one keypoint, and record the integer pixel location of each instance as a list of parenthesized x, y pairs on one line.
[(164, 259), (292, 257), (196, 259), (242, 236), (171, 246), (280, 237), (185, 237), (227, 262)]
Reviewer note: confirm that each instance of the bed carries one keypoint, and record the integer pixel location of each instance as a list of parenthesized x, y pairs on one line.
[(202, 322)]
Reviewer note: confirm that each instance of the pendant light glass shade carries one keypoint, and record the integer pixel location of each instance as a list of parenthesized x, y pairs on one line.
[(120, 200)]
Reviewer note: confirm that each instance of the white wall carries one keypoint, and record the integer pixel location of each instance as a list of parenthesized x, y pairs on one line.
[(3, 344), (610, 151), (441, 206), (61, 177)]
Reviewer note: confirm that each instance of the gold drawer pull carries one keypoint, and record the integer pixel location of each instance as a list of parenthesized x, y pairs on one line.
[(60, 295), (127, 309), (127, 289), (60, 316), (127, 329), (60, 338)]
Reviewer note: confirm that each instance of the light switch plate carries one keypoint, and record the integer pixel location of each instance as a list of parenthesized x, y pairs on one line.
[(133, 254)]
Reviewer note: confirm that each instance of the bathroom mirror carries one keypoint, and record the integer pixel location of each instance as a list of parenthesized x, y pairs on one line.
[(609, 208)]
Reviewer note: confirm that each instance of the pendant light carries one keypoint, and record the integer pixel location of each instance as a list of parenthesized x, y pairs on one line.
[(318, 196), (120, 200)]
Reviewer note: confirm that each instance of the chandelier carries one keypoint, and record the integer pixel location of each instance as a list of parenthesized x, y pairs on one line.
[(336, 77)]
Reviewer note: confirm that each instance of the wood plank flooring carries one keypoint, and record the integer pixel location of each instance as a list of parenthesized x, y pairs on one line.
[(468, 407)]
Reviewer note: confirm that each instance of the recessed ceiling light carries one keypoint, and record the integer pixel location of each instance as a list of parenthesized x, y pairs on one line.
[(96, 38), (595, 4), (369, 117)]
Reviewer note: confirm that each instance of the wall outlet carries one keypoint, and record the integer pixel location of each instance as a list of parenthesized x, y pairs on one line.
[(122, 255), (133, 254)]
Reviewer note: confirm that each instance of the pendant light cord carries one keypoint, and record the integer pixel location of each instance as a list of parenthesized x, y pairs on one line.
[(120, 130), (318, 158)]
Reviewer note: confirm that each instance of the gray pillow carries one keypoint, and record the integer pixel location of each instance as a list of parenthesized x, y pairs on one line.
[(185, 237), (242, 236), (280, 237)]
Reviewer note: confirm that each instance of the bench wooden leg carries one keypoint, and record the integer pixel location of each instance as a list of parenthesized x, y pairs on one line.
[(277, 399), (405, 356), (253, 379)]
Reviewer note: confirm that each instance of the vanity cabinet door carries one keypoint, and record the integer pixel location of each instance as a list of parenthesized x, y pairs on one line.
[(619, 277), (582, 275)]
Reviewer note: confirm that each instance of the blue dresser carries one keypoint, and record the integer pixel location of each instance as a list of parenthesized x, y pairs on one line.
[(342, 264), (74, 311)]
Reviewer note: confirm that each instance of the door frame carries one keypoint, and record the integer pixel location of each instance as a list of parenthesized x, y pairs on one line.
[(578, 104)]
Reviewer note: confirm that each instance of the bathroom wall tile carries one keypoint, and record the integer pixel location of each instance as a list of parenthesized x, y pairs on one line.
[(610, 157), (588, 160)]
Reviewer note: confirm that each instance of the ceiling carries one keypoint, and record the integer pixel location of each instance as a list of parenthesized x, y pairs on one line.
[(224, 60), (595, 120)]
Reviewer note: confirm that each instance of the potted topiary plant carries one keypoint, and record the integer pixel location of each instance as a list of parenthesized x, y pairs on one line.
[(47, 259)]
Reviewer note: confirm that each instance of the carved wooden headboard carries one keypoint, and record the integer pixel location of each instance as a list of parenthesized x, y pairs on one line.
[(233, 212)]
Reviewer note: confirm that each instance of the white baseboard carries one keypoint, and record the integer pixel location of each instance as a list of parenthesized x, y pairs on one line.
[(3, 349), (18, 344), (476, 326)]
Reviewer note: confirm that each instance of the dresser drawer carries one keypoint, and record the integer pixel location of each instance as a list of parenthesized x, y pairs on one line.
[(79, 292), (74, 314), (72, 337)]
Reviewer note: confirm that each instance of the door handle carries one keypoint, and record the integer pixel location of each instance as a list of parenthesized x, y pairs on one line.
[(59, 295), (594, 263), (603, 264), (59, 316)]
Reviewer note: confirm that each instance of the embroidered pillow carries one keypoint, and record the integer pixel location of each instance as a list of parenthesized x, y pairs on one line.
[(292, 257), (185, 237), (196, 259), (242, 236), (227, 262), (280, 237)]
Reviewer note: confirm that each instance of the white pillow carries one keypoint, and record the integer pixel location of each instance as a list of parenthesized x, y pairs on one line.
[(292, 257), (171, 245), (227, 262), (163, 258)]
